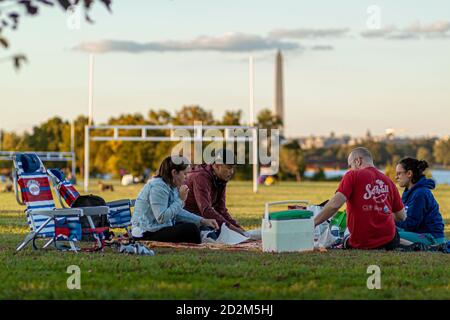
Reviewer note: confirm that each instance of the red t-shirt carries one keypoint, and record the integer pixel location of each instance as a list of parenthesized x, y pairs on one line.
[(372, 198)]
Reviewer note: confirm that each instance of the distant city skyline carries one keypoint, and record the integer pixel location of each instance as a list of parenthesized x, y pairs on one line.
[(341, 72)]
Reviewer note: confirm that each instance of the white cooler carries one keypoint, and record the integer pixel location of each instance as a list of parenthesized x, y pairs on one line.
[(293, 235)]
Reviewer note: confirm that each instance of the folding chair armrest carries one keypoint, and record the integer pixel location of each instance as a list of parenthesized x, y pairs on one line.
[(94, 211), (57, 212)]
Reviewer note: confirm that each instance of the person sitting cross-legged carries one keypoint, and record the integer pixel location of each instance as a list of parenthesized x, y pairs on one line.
[(424, 224), (373, 202), (159, 214), (208, 183)]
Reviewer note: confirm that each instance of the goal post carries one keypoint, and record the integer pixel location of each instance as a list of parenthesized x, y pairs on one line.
[(198, 136)]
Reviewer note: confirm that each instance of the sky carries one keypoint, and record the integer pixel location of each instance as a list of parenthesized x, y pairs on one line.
[(349, 66)]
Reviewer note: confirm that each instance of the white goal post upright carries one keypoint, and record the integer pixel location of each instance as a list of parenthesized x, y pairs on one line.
[(198, 137)]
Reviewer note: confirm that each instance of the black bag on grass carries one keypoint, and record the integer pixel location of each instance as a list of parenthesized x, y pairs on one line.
[(91, 200)]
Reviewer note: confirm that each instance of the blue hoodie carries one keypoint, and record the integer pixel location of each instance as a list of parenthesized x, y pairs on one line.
[(422, 210)]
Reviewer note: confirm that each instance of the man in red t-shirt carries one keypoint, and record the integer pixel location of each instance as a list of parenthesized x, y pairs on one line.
[(373, 202)]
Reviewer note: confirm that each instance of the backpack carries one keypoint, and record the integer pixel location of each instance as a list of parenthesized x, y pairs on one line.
[(91, 200)]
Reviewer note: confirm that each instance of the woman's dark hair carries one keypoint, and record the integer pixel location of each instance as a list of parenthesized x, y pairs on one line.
[(417, 167), (178, 163)]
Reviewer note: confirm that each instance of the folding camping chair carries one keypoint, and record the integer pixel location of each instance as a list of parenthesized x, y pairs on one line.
[(44, 219), (119, 213)]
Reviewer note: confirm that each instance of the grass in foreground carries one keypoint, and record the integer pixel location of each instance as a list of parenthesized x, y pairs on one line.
[(195, 274)]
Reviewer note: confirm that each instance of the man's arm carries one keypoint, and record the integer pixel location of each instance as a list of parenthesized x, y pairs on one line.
[(202, 194), (330, 208), (221, 208)]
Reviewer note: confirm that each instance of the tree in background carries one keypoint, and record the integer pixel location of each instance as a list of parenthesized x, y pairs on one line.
[(442, 151), (267, 120), (292, 160), (424, 153), (52, 135), (190, 114), (160, 117), (231, 118), (116, 156), (390, 171)]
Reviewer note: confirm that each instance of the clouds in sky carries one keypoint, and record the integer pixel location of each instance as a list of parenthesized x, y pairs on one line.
[(283, 39), (437, 29), (229, 42), (306, 33)]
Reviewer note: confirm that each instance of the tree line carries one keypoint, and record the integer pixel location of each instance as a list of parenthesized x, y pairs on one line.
[(117, 157)]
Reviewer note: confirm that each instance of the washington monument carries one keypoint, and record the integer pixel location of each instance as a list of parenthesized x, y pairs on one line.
[(279, 94)]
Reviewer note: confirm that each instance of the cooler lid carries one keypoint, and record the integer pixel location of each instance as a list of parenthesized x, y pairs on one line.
[(290, 214)]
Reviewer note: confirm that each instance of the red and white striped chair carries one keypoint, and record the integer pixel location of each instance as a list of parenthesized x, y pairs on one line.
[(32, 189)]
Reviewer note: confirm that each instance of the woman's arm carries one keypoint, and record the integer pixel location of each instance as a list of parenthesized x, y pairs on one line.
[(186, 216), (414, 214), (159, 202)]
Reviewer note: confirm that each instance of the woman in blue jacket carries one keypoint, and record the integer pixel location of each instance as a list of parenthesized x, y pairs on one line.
[(424, 223), (158, 212)]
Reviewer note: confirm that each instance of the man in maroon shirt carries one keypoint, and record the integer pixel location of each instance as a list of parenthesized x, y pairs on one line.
[(207, 189), (373, 202)]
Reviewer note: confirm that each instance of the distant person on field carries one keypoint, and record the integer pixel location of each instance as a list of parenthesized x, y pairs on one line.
[(208, 185), (424, 223), (373, 202), (158, 212)]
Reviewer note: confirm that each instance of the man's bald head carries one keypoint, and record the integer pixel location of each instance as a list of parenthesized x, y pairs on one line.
[(360, 158)]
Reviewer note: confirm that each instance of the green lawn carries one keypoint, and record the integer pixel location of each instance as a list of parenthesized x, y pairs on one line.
[(203, 274)]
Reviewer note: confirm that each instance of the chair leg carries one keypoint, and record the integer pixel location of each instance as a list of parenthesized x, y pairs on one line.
[(32, 235), (29, 237), (48, 243), (73, 247), (96, 236)]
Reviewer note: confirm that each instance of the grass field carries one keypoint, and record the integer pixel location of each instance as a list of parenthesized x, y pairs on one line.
[(203, 274)]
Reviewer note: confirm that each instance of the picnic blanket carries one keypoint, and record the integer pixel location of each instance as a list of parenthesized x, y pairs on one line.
[(249, 246), (255, 246)]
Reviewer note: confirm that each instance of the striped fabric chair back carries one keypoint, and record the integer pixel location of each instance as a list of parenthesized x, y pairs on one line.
[(35, 191), (37, 196), (119, 215), (64, 188)]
